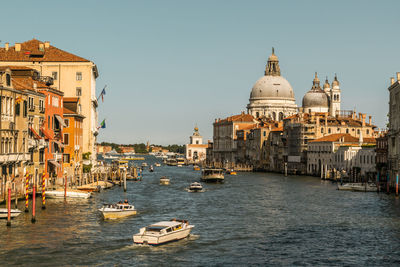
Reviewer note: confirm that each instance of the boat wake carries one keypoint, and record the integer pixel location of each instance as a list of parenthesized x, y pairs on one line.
[(191, 191)]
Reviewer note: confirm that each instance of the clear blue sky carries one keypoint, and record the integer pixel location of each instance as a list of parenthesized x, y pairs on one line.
[(170, 65)]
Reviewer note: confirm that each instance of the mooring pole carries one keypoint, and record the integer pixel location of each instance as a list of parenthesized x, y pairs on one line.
[(377, 182), (397, 184), (124, 181), (44, 191), (34, 203), (65, 187), (27, 193), (387, 183), (9, 206)]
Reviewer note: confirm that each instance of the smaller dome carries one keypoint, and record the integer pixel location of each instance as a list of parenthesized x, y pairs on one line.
[(335, 82), (315, 98)]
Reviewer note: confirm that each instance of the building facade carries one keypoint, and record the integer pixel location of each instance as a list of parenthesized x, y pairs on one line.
[(394, 130), (195, 151), (73, 75)]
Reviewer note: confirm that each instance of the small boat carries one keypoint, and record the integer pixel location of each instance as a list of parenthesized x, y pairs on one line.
[(157, 164), (212, 175), (70, 194), (163, 232), (180, 161), (196, 168), (171, 162), (179, 165), (144, 164), (4, 213), (231, 172), (164, 180), (116, 211), (359, 187), (195, 187), (89, 188), (151, 169)]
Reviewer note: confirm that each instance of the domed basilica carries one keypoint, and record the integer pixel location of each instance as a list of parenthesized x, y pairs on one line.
[(272, 95)]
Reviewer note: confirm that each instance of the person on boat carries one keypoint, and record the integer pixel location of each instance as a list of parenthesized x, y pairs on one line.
[(119, 202), (126, 202)]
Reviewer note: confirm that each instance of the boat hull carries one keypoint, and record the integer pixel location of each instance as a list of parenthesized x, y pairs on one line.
[(112, 215), (4, 213), (163, 239), (213, 179), (357, 187), (70, 194), (164, 182)]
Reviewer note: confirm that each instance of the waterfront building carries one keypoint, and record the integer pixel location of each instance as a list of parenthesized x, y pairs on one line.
[(323, 100), (73, 139), (301, 128), (195, 151), (225, 137), (272, 95), (26, 80), (14, 131), (382, 156), (340, 152), (103, 149), (127, 149), (73, 75), (394, 129)]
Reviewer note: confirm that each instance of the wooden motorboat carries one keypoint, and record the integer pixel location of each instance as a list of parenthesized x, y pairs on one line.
[(157, 164), (163, 232), (70, 194), (4, 213), (89, 188), (212, 175), (116, 211), (164, 180), (359, 187), (196, 168)]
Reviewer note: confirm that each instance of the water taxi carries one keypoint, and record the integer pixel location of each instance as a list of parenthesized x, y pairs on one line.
[(116, 211), (163, 232), (4, 213), (196, 168), (164, 180), (212, 175), (359, 187), (195, 187), (70, 194)]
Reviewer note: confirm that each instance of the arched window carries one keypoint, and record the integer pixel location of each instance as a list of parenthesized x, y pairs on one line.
[(347, 130), (322, 130), (257, 114), (337, 97), (8, 79), (274, 116), (280, 116), (329, 130)]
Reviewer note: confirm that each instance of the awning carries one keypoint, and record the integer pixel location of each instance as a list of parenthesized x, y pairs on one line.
[(59, 143), (60, 120), (46, 134), (55, 163), (37, 136)]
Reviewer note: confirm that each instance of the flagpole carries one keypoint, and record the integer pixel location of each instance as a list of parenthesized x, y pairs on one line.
[(101, 93)]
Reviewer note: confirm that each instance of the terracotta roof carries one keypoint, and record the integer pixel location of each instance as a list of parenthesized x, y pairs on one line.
[(68, 111), (30, 52), (26, 83), (239, 118), (71, 99), (347, 138), (246, 127)]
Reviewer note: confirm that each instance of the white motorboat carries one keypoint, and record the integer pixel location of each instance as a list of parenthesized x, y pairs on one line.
[(157, 164), (212, 175), (179, 165), (195, 187), (164, 180), (163, 232), (144, 164), (4, 213), (70, 194), (359, 187), (116, 211)]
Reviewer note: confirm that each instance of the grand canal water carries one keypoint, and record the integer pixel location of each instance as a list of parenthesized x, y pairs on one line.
[(251, 219)]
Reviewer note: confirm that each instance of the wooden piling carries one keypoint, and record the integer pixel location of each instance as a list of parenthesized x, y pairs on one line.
[(34, 203), (43, 191), (27, 193), (124, 173), (9, 206), (397, 184)]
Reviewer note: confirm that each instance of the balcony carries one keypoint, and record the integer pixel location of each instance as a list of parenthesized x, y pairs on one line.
[(15, 157), (31, 143)]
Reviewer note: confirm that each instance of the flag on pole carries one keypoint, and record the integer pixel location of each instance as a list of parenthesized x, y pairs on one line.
[(102, 94), (19, 99), (103, 124)]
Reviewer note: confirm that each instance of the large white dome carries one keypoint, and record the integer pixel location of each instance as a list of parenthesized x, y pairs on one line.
[(272, 87)]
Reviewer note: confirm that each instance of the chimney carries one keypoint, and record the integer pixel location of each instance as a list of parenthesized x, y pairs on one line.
[(47, 44), (398, 76), (370, 119), (363, 119), (326, 121), (17, 47), (317, 120), (7, 46), (35, 86), (359, 115), (391, 80), (41, 47)]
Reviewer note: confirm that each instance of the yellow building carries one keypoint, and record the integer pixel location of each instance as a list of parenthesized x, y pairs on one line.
[(74, 75), (14, 133)]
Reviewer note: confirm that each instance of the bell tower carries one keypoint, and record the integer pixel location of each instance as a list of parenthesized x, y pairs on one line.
[(335, 97)]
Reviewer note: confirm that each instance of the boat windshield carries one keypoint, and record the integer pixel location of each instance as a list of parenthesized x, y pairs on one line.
[(154, 228)]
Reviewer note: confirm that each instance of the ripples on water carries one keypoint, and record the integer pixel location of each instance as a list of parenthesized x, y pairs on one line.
[(251, 219)]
